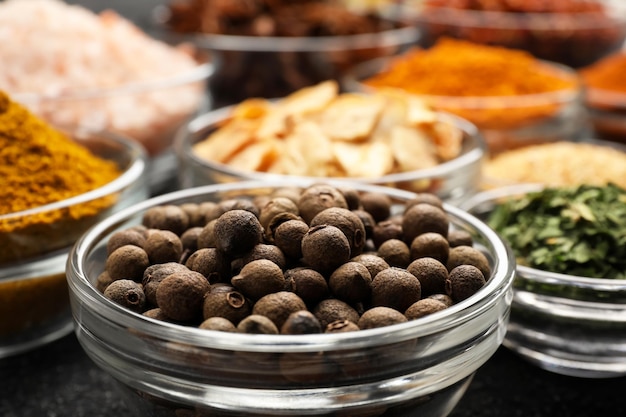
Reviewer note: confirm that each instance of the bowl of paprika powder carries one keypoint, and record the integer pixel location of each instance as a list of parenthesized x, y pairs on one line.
[(56, 184)]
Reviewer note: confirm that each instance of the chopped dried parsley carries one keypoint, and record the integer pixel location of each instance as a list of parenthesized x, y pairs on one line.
[(575, 230)]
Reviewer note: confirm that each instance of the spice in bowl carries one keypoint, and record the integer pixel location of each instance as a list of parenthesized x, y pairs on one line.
[(569, 230), (272, 48), (320, 132), (501, 90), (572, 32), (99, 71), (558, 164), (605, 96)]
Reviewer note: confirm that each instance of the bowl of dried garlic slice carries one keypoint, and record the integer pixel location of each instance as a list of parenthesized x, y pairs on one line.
[(385, 138)]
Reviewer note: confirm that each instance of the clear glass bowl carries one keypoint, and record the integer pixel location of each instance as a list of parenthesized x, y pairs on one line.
[(34, 303), (575, 40), (420, 367), (607, 111), (506, 122), (566, 324), (149, 112), (452, 180), (272, 66)]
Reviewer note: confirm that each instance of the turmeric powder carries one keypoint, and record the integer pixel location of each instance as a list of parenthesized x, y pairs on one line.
[(607, 73), (489, 85), (40, 165)]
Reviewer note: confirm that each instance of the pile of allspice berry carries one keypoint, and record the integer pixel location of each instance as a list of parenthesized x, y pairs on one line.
[(319, 259)]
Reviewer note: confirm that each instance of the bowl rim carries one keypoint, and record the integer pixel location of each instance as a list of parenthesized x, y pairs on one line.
[(614, 11), (131, 174), (183, 148), (199, 72), (595, 96), (352, 81), (495, 289), (405, 34), (538, 275)]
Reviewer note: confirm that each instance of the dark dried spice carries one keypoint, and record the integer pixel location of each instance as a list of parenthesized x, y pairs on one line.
[(278, 306), (331, 309), (380, 317), (154, 274), (346, 221), (395, 252), (163, 246), (125, 237), (324, 248), (210, 262), (127, 262), (395, 288), (432, 245), (226, 303), (237, 231), (288, 237), (180, 296), (127, 293), (423, 308), (377, 205), (259, 278), (468, 255), (431, 273), (351, 282), (463, 282), (168, 217), (301, 322), (424, 218), (317, 198)]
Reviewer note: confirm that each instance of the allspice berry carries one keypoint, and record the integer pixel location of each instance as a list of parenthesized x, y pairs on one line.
[(259, 278), (351, 282), (395, 252), (189, 239), (463, 282), (385, 230), (424, 307), (431, 274), (210, 262), (431, 245), (275, 206), (424, 198), (166, 217), (127, 262), (288, 237), (379, 317), (424, 218), (126, 293), (352, 196), (468, 255), (325, 248), (373, 263), (307, 284), (103, 280), (257, 324), (163, 246), (301, 322), (376, 204), (264, 251), (368, 222), (341, 326), (154, 274), (125, 237), (237, 231), (219, 324), (444, 298), (195, 214), (206, 237), (458, 237), (319, 197), (396, 288), (180, 296), (346, 221), (226, 303), (278, 306), (332, 309)]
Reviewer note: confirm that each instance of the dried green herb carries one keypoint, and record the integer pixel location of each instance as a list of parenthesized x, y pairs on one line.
[(578, 230)]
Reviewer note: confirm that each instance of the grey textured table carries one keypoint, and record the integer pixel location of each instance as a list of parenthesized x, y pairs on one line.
[(60, 380)]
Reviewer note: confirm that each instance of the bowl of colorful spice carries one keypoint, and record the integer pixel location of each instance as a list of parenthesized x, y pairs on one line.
[(605, 96), (55, 185), (569, 307), (102, 72), (272, 48), (512, 97), (575, 33), (385, 138), (275, 298)]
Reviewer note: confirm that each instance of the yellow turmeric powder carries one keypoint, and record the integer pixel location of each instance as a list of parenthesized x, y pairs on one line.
[(458, 72), (40, 165)]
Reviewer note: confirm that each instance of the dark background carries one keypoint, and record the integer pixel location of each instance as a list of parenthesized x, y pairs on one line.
[(60, 380)]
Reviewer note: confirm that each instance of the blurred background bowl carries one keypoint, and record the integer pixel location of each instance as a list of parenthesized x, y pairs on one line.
[(563, 323), (451, 180), (574, 39), (607, 111), (274, 66), (506, 122), (34, 302), (419, 367)]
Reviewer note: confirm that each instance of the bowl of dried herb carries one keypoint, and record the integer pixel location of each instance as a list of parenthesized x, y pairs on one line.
[(569, 307)]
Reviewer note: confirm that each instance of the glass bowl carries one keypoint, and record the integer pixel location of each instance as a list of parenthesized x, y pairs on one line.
[(506, 122), (34, 300), (149, 112), (419, 367), (565, 324), (575, 40), (274, 66), (452, 180), (607, 111)]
